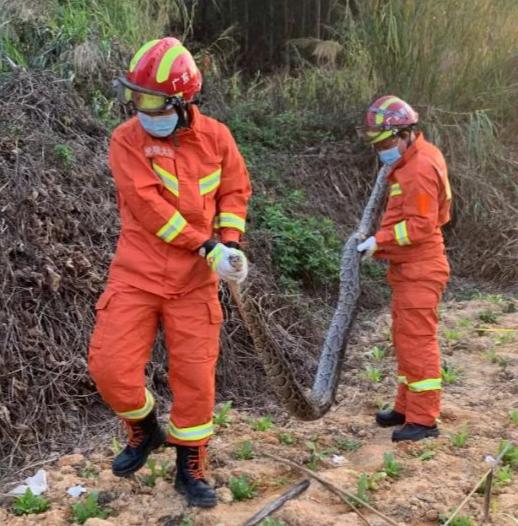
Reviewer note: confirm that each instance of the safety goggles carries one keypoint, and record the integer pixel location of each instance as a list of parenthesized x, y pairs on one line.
[(142, 99), (374, 135)]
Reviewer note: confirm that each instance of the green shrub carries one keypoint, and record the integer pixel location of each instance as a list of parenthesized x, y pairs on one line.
[(241, 487), (245, 451), (460, 438), (222, 417), (391, 466), (288, 439), (263, 423), (30, 503), (82, 511), (305, 248)]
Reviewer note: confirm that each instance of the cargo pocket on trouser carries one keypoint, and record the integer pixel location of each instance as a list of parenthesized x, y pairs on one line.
[(101, 318)]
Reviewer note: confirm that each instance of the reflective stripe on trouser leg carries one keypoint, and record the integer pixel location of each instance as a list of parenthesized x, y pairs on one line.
[(192, 326), (142, 412)]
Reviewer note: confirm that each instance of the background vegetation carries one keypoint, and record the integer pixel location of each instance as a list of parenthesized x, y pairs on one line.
[(291, 78)]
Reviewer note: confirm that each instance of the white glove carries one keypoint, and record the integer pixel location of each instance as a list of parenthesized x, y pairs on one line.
[(229, 263), (368, 246)]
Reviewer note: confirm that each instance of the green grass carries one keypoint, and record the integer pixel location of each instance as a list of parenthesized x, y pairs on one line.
[(362, 488), (503, 476), (373, 374), (222, 417), (30, 503), (450, 374), (245, 451), (391, 466), (82, 511), (287, 439), (460, 438), (263, 423), (377, 353), (272, 522), (347, 444), (513, 415), (488, 316), (510, 458), (427, 454), (242, 488), (156, 471), (317, 455), (452, 335)]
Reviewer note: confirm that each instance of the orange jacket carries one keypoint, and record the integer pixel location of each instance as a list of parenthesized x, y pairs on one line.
[(173, 195), (418, 206)]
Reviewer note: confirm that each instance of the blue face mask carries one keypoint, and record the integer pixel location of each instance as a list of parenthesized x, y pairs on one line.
[(158, 125), (390, 156)]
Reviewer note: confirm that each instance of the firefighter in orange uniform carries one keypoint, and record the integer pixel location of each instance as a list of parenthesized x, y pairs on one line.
[(182, 192), (410, 238)]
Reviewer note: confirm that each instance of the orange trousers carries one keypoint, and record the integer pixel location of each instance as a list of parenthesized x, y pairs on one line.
[(121, 345), (417, 288)]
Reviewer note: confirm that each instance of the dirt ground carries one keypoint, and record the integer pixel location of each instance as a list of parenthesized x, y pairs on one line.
[(435, 475)]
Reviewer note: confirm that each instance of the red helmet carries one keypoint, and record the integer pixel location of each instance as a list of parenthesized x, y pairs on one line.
[(386, 116), (160, 72)]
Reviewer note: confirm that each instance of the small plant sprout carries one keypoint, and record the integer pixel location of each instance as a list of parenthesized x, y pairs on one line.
[(391, 466), (372, 374), (65, 154), (503, 339), (30, 503), (263, 423), (464, 323), (316, 455), (452, 335), (245, 451), (488, 316), (241, 487), (460, 520), (156, 471), (510, 457), (272, 522), (503, 476), (460, 438), (347, 444), (89, 471), (449, 374), (513, 415), (426, 454), (222, 417), (82, 511), (288, 439), (377, 353), (362, 488)]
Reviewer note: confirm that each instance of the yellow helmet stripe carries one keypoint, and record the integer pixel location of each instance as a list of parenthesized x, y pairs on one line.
[(167, 61), (385, 105), (138, 55)]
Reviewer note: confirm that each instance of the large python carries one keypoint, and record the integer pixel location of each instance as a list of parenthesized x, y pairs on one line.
[(300, 402)]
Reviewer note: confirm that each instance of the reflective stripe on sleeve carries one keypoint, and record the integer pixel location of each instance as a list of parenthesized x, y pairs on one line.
[(229, 220), (191, 433), (172, 228), (401, 233), (138, 414)]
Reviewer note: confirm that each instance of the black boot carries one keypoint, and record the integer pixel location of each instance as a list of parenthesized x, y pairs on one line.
[(389, 418), (414, 432), (143, 436), (190, 476)]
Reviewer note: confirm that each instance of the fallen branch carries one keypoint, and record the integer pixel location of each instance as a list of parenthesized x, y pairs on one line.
[(494, 463), (293, 492), (343, 494)]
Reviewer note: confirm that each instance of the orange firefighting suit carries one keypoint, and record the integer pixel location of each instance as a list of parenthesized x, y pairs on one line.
[(410, 238), (173, 194)]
